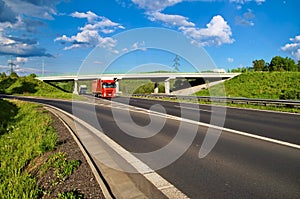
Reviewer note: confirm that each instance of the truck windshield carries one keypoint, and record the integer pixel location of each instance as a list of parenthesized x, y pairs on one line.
[(109, 85)]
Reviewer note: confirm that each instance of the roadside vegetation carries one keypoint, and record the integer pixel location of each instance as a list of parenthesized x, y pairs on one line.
[(278, 79), (26, 135), (264, 85), (29, 86)]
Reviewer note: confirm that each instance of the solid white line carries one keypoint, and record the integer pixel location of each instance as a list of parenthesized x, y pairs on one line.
[(134, 109), (196, 109), (217, 127), (140, 166)]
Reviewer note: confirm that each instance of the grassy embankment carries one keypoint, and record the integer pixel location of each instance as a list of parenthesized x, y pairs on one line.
[(30, 86), (26, 133), (263, 85)]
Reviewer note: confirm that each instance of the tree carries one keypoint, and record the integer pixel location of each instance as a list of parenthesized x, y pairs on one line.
[(282, 64), (299, 65), (32, 75), (3, 75), (259, 65), (14, 75)]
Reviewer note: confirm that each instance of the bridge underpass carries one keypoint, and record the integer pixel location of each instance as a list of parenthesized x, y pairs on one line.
[(156, 78)]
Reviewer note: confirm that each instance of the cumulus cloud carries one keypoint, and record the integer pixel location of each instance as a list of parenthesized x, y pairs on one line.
[(44, 9), (19, 17), (90, 16), (22, 47), (293, 47), (155, 5), (217, 32), (172, 20), (89, 34)]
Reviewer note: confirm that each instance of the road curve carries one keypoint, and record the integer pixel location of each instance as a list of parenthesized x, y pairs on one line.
[(275, 125), (237, 167)]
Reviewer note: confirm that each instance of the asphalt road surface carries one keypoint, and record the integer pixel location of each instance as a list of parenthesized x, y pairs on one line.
[(237, 167)]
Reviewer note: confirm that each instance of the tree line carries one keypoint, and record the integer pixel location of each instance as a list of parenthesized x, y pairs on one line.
[(277, 63)]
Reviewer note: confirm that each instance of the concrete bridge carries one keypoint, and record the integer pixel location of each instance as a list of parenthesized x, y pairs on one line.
[(154, 77)]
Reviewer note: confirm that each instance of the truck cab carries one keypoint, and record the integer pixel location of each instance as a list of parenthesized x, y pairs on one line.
[(105, 88)]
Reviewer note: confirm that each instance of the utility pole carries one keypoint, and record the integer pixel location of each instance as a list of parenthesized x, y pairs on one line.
[(176, 63)]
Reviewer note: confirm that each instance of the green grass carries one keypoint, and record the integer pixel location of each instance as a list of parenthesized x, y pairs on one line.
[(264, 85), (28, 134), (30, 86), (62, 168), (70, 195)]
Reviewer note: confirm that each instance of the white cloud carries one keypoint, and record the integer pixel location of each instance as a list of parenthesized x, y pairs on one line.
[(172, 20), (90, 16), (104, 25), (21, 60), (22, 47), (240, 3), (217, 32), (260, 1), (20, 17), (87, 39), (246, 1), (293, 47), (230, 60), (89, 34), (155, 5), (40, 9)]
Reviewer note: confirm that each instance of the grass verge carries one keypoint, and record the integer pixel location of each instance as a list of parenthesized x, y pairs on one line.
[(26, 135), (29, 86)]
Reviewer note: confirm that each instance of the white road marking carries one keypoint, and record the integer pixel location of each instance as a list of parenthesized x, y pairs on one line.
[(195, 109), (168, 189)]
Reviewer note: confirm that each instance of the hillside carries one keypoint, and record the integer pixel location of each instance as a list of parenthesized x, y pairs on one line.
[(265, 85), (30, 86)]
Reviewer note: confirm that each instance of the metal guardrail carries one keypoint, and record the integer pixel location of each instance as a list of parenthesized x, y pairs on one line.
[(232, 100)]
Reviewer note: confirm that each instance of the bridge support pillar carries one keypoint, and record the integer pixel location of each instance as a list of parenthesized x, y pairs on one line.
[(75, 91), (167, 87), (156, 87), (117, 87)]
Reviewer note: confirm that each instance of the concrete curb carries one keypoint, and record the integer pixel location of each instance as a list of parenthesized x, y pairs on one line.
[(105, 190)]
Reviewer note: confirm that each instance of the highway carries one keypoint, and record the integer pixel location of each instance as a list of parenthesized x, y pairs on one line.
[(237, 167), (280, 126)]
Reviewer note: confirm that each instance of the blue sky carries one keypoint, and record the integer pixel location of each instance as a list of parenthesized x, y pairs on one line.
[(60, 34)]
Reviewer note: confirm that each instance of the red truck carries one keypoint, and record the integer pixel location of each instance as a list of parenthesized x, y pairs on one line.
[(105, 88)]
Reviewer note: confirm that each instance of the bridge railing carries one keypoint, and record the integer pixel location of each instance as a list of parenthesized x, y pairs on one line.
[(229, 100)]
